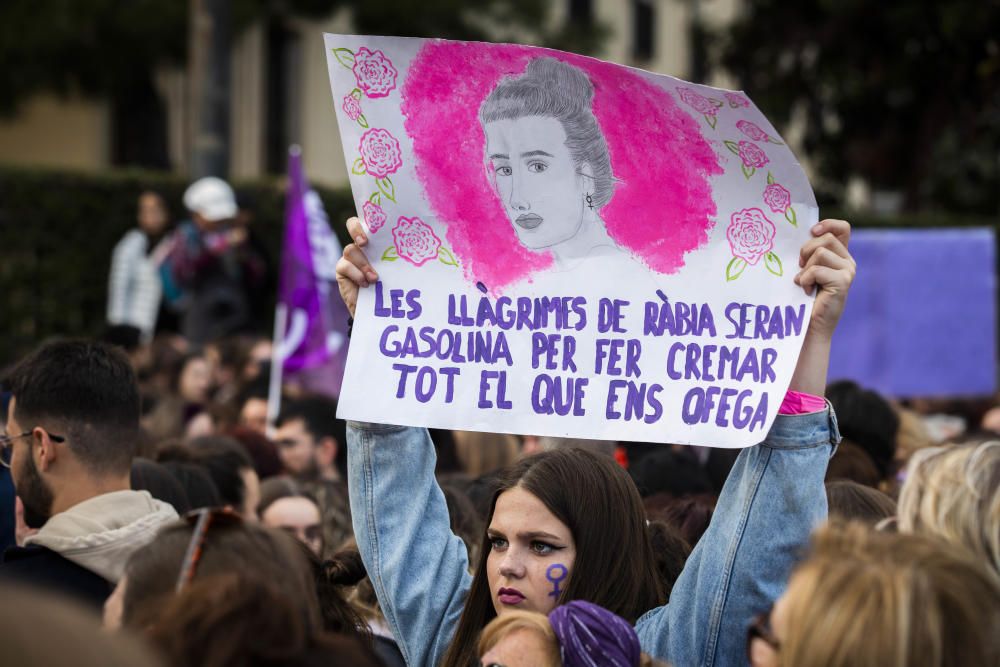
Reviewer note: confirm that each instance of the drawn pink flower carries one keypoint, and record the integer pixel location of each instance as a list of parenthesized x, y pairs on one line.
[(374, 72), (415, 241), (752, 131), (698, 102), (352, 107), (736, 100), (752, 155), (380, 153), (374, 216), (750, 235), (777, 197)]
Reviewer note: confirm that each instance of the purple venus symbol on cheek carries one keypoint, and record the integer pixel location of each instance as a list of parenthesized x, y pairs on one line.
[(556, 573)]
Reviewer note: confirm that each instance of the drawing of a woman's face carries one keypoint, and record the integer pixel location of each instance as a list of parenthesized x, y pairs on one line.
[(541, 187)]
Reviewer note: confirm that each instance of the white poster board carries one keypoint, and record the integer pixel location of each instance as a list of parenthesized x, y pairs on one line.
[(565, 246)]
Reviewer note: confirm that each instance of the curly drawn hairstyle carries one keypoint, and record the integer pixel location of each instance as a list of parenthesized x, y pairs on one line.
[(600, 505), (554, 89)]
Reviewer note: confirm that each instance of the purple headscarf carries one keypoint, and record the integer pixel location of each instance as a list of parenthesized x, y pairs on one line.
[(592, 636)]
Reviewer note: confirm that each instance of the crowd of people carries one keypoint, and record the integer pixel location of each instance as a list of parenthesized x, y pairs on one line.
[(142, 481)]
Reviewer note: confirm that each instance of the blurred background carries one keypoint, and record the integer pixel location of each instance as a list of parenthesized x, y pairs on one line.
[(892, 107)]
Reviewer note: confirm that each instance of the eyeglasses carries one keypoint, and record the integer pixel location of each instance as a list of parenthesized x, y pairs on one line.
[(760, 628), (202, 519), (6, 442)]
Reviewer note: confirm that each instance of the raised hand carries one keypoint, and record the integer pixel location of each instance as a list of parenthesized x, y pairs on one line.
[(354, 271), (826, 264), (828, 267)]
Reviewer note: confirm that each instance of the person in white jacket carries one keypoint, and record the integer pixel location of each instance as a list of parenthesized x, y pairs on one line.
[(134, 285), (71, 432)]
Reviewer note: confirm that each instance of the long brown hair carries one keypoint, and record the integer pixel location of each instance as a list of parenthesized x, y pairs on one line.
[(232, 619), (600, 505)]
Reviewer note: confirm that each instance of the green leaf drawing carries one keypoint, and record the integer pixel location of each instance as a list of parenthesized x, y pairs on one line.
[(732, 146), (735, 268), (770, 178), (446, 257), (390, 254), (386, 187), (717, 103), (356, 94), (359, 168), (775, 141), (711, 120), (773, 264), (748, 171), (362, 121), (790, 216), (376, 198), (345, 57)]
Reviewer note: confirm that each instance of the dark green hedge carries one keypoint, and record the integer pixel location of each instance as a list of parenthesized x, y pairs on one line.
[(57, 232)]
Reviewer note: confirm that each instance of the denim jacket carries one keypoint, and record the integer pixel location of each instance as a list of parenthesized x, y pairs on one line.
[(772, 499)]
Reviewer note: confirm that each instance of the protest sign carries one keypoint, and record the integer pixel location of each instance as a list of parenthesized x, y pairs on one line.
[(948, 277), (566, 246)]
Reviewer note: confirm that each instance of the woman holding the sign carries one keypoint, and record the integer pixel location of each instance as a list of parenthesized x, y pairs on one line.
[(567, 525)]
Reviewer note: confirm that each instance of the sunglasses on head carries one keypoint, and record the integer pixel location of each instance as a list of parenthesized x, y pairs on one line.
[(202, 519)]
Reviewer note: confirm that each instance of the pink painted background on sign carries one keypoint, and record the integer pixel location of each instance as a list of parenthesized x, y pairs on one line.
[(662, 205)]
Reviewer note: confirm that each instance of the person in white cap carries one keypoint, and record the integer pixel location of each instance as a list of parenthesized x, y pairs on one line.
[(211, 264)]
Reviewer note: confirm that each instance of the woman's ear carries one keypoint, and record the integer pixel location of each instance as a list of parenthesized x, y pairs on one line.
[(586, 171)]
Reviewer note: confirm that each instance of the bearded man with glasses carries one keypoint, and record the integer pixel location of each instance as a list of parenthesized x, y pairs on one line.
[(71, 433)]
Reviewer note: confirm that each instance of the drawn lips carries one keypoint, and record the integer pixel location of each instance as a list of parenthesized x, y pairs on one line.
[(528, 221)]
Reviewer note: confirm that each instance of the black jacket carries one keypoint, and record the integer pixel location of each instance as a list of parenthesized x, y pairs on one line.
[(39, 566)]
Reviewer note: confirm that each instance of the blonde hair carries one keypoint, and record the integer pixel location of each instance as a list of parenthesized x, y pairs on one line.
[(867, 599), (483, 453), (953, 492), (507, 624)]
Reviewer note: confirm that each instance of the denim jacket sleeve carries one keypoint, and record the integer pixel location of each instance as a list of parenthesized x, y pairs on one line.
[(773, 498), (418, 567)]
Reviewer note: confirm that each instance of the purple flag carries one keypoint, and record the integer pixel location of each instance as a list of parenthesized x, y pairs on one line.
[(314, 341)]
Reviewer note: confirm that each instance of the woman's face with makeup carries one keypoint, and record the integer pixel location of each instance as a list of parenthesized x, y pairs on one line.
[(531, 554), (542, 189)]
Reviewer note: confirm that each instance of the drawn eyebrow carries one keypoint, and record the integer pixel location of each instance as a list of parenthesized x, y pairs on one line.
[(536, 153), (499, 156)]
